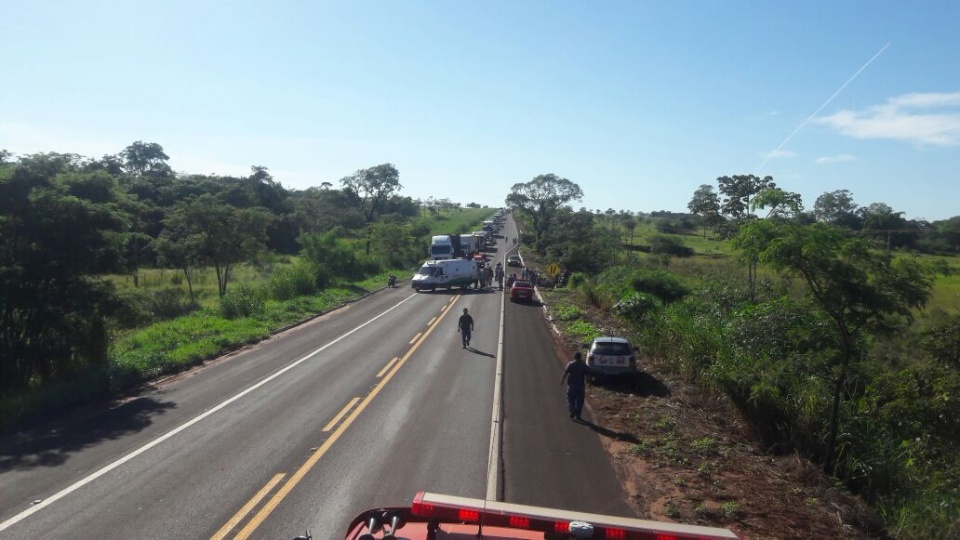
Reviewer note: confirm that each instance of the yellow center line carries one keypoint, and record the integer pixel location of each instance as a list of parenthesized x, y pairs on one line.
[(222, 533), (315, 457), (415, 338), (387, 367), (340, 414)]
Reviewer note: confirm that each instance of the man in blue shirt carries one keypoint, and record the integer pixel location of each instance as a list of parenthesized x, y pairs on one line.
[(576, 376)]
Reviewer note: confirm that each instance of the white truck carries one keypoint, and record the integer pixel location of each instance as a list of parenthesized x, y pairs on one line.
[(441, 247), (445, 274)]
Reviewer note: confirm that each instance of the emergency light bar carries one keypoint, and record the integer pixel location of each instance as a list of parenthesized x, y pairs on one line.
[(452, 509)]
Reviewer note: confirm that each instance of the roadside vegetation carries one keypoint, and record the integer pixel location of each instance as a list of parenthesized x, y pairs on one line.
[(115, 271), (834, 335)]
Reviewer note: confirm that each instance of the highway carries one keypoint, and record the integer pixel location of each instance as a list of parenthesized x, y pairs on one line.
[(359, 408)]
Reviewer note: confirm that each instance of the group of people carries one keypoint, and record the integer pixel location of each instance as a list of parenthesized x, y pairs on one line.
[(486, 275)]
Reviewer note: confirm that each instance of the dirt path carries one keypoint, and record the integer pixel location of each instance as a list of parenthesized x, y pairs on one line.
[(686, 456)]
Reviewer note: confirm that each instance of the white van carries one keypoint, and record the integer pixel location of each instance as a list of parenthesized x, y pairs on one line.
[(445, 274)]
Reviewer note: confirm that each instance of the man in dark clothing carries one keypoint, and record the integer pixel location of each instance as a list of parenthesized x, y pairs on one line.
[(576, 376), (465, 327)]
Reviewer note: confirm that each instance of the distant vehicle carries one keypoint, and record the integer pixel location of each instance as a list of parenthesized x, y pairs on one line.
[(441, 247), (611, 356), (434, 516), (468, 245), (514, 260), (445, 274), (521, 291)]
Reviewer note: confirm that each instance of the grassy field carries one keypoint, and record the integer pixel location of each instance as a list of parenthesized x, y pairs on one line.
[(467, 220), (204, 280), (712, 255)]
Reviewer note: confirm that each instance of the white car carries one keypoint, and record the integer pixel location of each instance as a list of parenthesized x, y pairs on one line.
[(611, 356)]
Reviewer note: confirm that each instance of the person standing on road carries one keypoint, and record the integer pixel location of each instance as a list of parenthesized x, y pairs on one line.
[(465, 327), (575, 375)]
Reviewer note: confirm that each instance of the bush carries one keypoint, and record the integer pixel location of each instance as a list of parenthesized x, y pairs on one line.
[(287, 283), (637, 307), (141, 307), (244, 301), (663, 285), (669, 246)]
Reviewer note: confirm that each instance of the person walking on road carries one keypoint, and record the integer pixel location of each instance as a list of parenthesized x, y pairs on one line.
[(465, 327), (576, 377)]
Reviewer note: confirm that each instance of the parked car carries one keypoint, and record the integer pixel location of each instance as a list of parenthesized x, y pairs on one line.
[(521, 290), (514, 260), (611, 356)]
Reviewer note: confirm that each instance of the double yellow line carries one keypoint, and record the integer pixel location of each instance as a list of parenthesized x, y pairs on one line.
[(314, 458)]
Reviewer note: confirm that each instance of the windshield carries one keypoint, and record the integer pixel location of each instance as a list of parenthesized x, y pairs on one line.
[(427, 271)]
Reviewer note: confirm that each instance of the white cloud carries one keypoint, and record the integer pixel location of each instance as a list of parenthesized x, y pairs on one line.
[(900, 119), (839, 158)]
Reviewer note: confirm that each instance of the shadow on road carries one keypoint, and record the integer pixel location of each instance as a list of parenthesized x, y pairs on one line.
[(479, 352), (620, 436), (52, 444)]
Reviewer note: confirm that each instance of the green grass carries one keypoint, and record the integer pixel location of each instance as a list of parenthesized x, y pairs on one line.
[(466, 220), (204, 280), (174, 345)]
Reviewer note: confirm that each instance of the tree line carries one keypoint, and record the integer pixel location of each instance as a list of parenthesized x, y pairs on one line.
[(738, 197), (66, 220)]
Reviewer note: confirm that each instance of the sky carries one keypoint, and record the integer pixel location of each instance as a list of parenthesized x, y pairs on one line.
[(638, 102)]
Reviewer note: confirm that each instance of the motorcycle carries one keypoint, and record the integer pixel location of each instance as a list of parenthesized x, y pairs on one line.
[(392, 281)]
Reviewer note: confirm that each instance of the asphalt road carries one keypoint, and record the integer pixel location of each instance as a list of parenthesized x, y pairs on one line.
[(360, 408)]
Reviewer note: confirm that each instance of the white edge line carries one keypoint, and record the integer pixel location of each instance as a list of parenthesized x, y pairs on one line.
[(496, 425), (93, 476)]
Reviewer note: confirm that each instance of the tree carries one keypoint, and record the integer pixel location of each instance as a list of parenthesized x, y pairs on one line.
[(705, 204), (949, 229), (630, 223), (56, 235), (836, 208), (218, 234), (372, 187), (738, 190), (540, 198), (853, 284), (146, 159), (782, 204), (577, 244), (880, 222)]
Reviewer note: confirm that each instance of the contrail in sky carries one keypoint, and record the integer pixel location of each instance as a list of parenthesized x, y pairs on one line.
[(825, 103)]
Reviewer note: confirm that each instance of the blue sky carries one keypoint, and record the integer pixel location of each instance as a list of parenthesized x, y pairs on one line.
[(638, 102)]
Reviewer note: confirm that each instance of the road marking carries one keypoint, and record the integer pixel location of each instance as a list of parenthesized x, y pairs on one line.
[(242, 513), (415, 338), (496, 425), (387, 367), (315, 457), (431, 321), (340, 414), (182, 427)]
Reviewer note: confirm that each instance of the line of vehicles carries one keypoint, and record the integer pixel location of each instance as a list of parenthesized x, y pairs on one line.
[(454, 258)]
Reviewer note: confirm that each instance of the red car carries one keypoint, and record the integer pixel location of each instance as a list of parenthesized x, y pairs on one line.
[(521, 290)]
